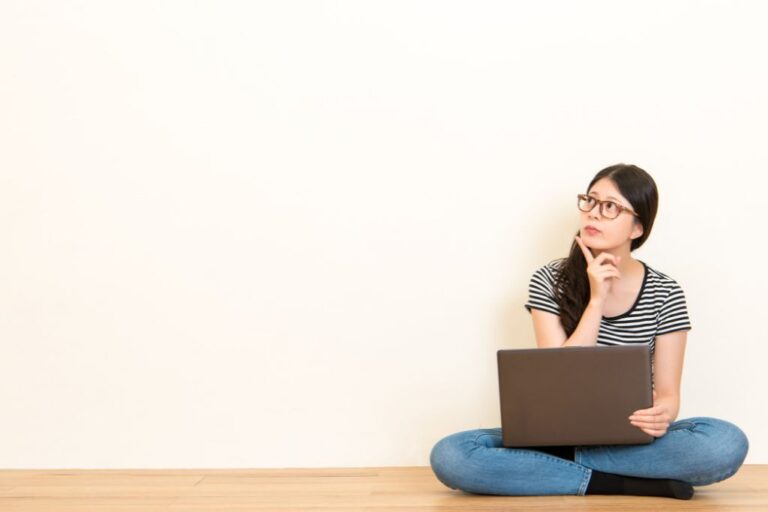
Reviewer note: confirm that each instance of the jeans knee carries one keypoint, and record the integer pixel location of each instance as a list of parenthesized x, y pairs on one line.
[(726, 448), (735, 444), (444, 459)]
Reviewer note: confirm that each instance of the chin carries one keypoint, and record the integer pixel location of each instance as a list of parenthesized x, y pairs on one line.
[(598, 244)]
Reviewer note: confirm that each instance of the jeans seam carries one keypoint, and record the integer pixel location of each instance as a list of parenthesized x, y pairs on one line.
[(544, 455), (585, 481), (587, 472), (478, 436), (683, 425)]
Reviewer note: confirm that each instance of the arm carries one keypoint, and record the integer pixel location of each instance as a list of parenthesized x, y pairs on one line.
[(550, 333), (668, 369), (668, 363)]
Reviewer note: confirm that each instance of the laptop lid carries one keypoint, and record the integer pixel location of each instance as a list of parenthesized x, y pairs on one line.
[(574, 395)]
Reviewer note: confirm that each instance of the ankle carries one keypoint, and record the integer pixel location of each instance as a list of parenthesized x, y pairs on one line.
[(609, 483)]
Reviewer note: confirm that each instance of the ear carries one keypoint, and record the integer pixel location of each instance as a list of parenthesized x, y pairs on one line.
[(637, 230)]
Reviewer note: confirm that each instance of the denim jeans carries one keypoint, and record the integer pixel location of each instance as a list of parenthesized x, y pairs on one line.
[(700, 451)]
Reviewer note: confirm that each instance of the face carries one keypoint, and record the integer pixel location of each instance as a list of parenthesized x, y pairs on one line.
[(613, 232)]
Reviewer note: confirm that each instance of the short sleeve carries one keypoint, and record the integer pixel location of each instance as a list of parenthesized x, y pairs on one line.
[(673, 315), (541, 291)]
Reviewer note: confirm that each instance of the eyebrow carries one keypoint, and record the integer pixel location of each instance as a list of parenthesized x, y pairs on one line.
[(609, 197)]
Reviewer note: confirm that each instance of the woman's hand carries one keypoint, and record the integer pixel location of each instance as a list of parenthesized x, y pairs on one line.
[(654, 421), (601, 271)]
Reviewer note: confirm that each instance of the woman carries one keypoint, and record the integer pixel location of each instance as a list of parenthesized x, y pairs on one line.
[(601, 295)]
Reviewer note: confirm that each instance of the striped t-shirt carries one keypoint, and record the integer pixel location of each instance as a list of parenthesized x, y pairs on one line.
[(659, 308)]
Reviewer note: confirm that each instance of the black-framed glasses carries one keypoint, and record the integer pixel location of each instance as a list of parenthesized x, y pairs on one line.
[(608, 209)]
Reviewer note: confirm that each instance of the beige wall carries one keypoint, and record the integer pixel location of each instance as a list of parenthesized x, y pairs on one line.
[(294, 234)]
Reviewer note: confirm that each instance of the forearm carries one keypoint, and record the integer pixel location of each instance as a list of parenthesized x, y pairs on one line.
[(585, 334)]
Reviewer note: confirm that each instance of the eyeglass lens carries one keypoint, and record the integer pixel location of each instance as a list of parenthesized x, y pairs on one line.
[(608, 209)]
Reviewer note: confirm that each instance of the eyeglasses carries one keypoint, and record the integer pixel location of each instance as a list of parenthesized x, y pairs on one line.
[(608, 209)]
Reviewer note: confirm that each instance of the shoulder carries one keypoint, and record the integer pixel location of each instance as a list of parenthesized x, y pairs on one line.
[(544, 278), (663, 282), (670, 302), (542, 288), (549, 270)]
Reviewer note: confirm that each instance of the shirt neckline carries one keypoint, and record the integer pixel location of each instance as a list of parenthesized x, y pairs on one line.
[(637, 299)]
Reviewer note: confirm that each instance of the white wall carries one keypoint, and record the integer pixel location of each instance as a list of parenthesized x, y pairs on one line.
[(294, 234)]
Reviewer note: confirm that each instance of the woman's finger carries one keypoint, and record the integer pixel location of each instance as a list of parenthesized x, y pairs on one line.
[(649, 419), (651, 424), (587, 252), (607, 271), (655, 432), (651, 411), (608, 256)]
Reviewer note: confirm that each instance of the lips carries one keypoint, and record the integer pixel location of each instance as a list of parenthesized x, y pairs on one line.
[(591, 230)]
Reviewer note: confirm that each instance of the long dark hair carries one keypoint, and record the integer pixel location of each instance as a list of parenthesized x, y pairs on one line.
[(571, 288)]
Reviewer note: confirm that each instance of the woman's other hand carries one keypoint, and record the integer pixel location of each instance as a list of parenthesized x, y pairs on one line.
[(654, 421)]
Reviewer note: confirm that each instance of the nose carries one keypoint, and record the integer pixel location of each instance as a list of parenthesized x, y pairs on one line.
[(594, 213)]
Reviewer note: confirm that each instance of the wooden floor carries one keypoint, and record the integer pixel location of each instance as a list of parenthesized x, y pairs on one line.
[(345, 489)]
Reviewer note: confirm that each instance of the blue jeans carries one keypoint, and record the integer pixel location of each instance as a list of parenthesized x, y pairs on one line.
[(699, 450)]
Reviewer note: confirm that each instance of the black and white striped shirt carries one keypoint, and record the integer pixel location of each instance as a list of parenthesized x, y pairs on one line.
[(659, 308)]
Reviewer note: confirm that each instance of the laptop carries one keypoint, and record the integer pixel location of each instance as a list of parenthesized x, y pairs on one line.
[(574, 395)]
